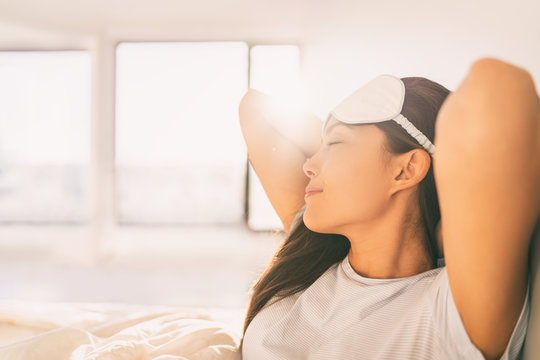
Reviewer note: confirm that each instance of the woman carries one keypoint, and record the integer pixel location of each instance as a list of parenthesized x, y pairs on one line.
[(357, 275)]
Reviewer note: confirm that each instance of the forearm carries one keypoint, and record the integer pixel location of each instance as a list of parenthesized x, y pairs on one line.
[(300, 127)]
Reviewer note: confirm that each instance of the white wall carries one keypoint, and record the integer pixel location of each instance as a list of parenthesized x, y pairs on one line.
[(435, 39), (344, 43)]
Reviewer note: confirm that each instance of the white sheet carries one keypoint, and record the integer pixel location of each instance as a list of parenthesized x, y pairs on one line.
[(59, 331)]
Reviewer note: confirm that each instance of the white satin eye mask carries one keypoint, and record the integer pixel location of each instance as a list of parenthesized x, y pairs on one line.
[(380, 99)]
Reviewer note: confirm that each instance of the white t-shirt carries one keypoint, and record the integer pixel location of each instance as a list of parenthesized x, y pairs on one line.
[(344, 315)]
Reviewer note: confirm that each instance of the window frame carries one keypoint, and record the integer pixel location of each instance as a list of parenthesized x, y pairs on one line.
[(102, 235)]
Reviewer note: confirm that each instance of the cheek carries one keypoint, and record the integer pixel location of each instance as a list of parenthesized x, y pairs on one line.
[(359, 192), (354, 191)]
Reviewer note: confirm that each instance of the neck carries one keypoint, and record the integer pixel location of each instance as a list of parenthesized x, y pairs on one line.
[(387, 247)]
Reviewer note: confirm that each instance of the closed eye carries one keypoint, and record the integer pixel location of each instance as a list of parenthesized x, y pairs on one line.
[(333, 143)]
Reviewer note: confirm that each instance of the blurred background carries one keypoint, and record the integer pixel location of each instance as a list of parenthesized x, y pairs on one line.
[(123, 172)]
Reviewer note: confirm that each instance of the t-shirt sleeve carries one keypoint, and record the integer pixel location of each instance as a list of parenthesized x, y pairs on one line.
[(452, 331)]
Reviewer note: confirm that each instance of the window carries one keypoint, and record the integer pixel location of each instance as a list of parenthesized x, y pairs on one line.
[(180, 158), (44, 136), (180, 155)]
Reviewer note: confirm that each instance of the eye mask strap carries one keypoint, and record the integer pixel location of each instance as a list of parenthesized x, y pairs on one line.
[(381, 99), (415, 133)]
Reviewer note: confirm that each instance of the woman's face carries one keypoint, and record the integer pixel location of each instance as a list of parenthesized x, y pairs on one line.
[(350, 171)]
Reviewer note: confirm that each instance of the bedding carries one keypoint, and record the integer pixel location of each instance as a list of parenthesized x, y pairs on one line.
[(90, 331)]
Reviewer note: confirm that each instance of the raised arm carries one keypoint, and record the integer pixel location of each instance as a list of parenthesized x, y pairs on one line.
[(278, 142), (487, 169)]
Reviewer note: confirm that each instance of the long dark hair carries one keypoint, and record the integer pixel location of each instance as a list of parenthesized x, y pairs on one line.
[(305, 255)]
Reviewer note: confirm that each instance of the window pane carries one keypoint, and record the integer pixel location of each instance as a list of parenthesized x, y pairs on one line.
[(274, 70), (180, 156), (44, 136)]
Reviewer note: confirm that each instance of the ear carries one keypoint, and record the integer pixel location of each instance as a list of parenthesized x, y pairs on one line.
[(409, 169)]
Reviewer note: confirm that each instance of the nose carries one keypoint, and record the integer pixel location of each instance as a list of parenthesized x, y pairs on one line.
[(308, 168)]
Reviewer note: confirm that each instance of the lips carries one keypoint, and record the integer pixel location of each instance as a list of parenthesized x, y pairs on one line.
[(312, 191)]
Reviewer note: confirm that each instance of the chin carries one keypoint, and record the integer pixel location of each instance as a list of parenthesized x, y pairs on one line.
[(316, 225)]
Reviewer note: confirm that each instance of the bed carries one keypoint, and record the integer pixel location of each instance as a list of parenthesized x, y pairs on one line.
[(102, 331)]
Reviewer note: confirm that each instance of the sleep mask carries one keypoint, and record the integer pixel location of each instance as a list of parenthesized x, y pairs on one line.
[(380, 99)]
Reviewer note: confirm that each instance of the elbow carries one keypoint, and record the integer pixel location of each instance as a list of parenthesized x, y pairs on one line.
[(242, 105), (494, 82), (251, 106), (245, 98), (496, 71), (246, 104), (496, 101), (250, 96)]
